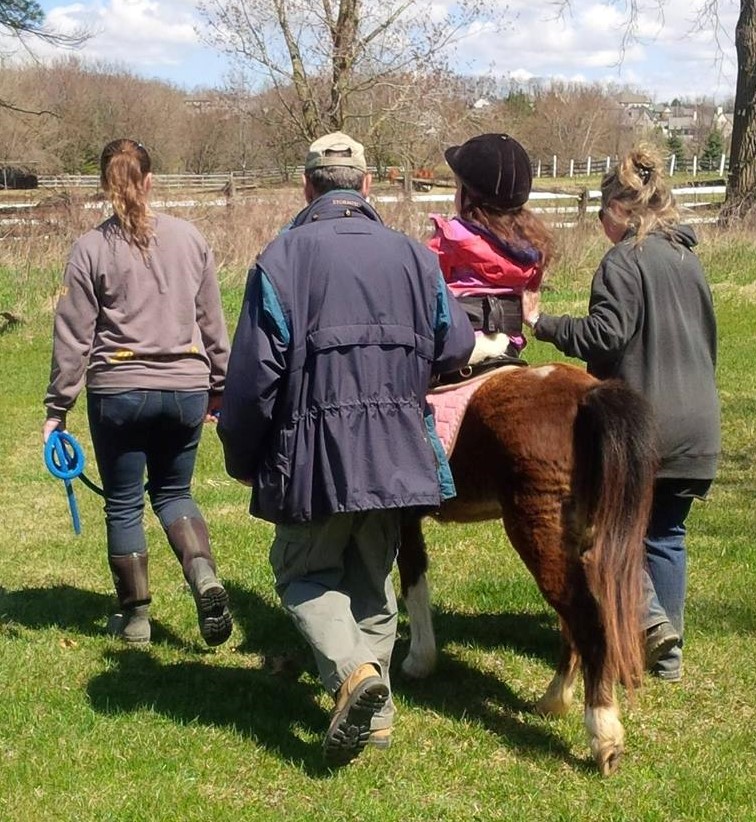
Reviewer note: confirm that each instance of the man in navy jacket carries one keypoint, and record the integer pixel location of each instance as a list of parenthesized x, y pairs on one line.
[(343, 324)]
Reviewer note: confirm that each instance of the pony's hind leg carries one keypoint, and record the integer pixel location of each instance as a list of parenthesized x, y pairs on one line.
[(585, 640), (558, 697), (607, 736), (413, 563), (602, 717), (561, 575)]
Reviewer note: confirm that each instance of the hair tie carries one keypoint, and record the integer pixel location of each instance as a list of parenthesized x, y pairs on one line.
[(644, 172)]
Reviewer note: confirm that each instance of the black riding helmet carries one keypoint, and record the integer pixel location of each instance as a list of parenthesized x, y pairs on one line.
[(494, 170)]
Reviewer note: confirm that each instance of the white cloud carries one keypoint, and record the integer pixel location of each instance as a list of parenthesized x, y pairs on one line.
[(671, 58), (139, 33)]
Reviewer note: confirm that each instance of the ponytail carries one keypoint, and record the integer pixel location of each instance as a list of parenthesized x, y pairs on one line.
[(638, 184), (124, 166)]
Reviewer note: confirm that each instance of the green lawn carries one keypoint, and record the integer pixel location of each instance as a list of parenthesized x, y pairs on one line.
[(91, 730)]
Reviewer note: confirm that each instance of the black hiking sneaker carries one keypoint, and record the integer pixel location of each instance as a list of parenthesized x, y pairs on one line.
[(660, 639)]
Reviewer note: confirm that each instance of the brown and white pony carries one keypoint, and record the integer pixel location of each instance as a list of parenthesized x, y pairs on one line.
[(567, 462)]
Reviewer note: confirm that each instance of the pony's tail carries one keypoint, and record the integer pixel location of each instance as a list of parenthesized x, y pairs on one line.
[(615, 463)]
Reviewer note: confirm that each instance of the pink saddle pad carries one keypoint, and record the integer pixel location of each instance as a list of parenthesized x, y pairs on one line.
[(448, 403)]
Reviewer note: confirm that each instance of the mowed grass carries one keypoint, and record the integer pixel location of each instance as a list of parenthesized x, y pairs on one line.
[(92, 730)]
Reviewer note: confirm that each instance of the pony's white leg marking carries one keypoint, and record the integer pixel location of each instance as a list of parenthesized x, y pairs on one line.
[(558, 697), (607, 737), (421, 659)]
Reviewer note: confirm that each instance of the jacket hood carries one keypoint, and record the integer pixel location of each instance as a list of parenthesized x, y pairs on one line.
[(680, 234), (685, 235)]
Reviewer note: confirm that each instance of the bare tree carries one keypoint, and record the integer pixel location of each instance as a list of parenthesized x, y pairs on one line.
[(573, 120), (332, 51), (741, 182), (740, 199)]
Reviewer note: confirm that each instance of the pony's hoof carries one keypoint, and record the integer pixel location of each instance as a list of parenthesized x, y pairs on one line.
[(548, 705), (608, 759), (418, 667)]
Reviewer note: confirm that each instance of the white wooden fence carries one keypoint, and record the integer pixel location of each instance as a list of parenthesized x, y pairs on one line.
[(564, 208), (557, 167), (250, 178)]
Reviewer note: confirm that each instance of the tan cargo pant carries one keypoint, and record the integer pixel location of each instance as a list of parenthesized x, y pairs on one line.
[(334, 578)]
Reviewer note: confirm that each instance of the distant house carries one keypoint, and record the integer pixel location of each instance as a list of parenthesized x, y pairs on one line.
[(200, 104), (691, 123), (631, 100), (722, 121), (640, 120)]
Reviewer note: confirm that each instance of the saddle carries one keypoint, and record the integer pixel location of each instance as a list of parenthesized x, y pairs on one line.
[(472, 371), (449, 401)]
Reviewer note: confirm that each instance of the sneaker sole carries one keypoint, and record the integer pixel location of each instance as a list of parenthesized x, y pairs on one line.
[(350, 732), (213, 615), (662, 648)]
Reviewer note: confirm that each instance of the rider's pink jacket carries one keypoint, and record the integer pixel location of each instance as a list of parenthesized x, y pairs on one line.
[(474, 262)]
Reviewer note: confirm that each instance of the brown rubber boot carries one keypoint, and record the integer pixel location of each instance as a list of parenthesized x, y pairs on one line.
[(190, 541), (360, 697), (132, 622)]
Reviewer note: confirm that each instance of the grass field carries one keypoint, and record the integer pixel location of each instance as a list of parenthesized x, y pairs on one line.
[(91, 730)]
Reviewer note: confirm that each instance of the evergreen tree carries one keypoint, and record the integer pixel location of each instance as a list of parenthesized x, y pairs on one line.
[(713, 151), (675, 147), (21, 18), (20, 15)]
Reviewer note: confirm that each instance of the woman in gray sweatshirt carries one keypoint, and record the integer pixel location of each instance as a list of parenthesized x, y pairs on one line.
[(651, 323), (139, 321)]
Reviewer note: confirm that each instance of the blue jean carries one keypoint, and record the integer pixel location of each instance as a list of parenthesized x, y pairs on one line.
[(666, 561), (137, 431)]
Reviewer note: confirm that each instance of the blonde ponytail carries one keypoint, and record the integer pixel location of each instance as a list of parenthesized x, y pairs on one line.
[(637, 183)]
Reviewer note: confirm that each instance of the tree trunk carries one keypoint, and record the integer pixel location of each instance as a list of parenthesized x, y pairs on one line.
[(741, 181), (344, 38)]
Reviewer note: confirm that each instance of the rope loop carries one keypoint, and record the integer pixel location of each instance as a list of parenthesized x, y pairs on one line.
[(64, 457)]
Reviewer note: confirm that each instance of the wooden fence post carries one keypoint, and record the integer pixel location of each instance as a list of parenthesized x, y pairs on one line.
[(722, 165), (230, 190), (582, 204)]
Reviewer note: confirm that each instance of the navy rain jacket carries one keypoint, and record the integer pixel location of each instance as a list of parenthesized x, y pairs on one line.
[(343, 323)]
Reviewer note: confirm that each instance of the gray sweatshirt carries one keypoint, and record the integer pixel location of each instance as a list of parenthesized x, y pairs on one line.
[(651, 323), (127, 322)]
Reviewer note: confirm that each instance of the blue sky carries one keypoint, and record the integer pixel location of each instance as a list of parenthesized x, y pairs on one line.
[(158, 38)]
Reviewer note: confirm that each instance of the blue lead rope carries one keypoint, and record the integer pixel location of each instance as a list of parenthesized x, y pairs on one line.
[(64, 459)]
